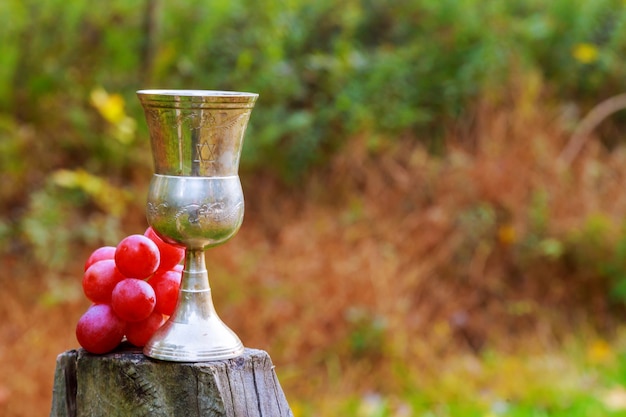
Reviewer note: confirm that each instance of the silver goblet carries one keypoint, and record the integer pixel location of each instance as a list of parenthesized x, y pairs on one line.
[(195, 200)]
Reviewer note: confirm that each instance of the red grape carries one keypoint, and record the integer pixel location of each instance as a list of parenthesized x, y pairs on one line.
[(166, 285), (126, 303), (138, 333), (99, 330), (171, 255), (105, 252), (133, 299), (137, 256), (100, 279)]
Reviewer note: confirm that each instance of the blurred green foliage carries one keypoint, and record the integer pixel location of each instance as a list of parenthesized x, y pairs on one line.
[(74, 154), (326, 71)]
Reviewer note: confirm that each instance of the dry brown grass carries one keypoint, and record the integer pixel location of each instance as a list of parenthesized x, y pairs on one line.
[(385, 261)]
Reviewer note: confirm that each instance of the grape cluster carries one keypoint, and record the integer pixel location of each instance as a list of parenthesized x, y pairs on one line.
[(134, 288)]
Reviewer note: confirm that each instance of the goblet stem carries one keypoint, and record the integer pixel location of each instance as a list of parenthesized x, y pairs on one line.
[(195, 275), (194, 300)]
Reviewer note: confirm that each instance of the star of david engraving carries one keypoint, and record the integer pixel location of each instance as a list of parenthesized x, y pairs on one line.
[(205, 152)]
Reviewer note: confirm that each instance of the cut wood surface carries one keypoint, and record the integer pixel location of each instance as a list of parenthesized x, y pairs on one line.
[(126, 383)]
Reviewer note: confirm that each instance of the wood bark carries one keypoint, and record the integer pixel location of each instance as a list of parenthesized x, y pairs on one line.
[(126, 383)]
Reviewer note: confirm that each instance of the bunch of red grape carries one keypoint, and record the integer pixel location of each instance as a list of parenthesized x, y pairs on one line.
[(133, 286)]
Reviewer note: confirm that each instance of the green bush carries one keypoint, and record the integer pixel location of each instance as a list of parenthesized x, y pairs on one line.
[(326, 72)]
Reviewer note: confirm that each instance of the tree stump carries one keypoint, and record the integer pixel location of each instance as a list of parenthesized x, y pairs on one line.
[(125, 383)]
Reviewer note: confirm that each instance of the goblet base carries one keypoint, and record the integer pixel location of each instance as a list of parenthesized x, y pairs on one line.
[(209, 340)]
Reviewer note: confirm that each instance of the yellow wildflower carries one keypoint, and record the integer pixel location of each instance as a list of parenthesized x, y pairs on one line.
[(110, 106), (507, 234), (585, 52), (599, 352), (110, 198)]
